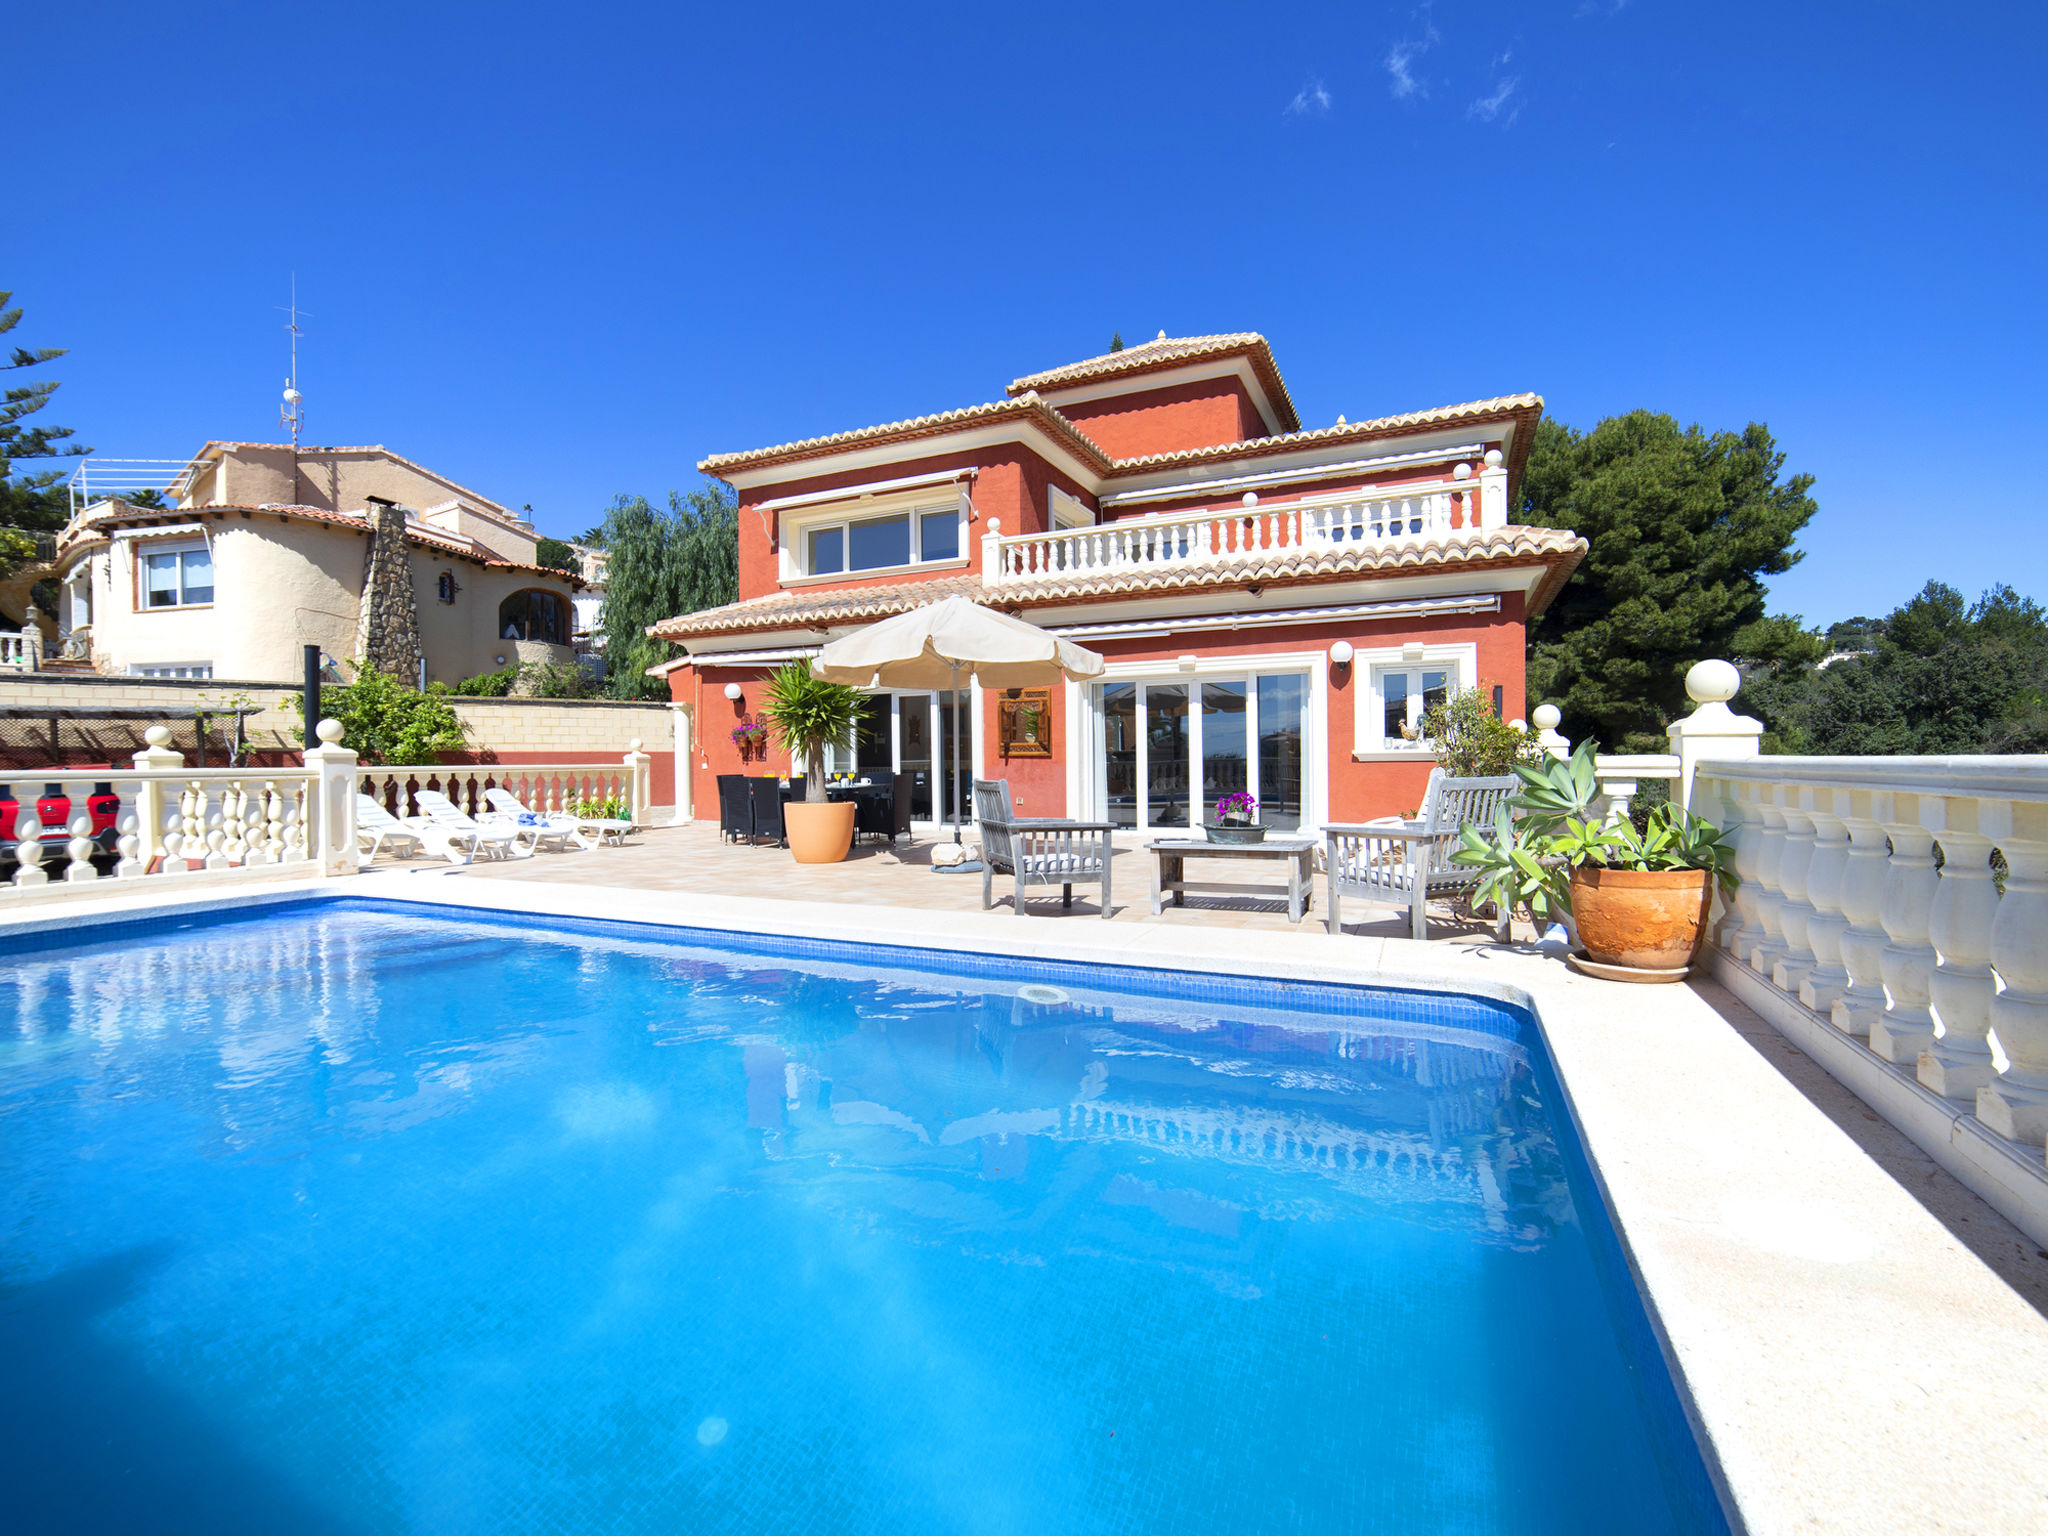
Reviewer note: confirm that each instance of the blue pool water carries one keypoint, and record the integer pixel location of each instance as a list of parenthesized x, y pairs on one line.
[(356, 1218)]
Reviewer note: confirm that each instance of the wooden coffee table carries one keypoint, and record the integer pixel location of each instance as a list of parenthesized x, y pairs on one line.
[(1169, 856)]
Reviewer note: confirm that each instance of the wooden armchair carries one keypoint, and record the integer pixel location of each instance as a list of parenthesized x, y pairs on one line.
[(1406, 863), (1037, 850)]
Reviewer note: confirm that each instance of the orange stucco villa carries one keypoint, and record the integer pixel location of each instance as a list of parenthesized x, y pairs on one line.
[(1276, 605)]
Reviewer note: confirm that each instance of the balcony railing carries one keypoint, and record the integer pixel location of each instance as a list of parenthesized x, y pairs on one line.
[(1251, 533)]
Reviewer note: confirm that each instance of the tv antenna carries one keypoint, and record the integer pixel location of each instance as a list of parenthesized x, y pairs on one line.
[(292, 413)]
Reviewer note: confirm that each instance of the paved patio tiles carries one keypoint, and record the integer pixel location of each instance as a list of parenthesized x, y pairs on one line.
[(693, 858)]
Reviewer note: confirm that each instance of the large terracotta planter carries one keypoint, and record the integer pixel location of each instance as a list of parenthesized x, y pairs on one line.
[(818, 834), (1650, 919)]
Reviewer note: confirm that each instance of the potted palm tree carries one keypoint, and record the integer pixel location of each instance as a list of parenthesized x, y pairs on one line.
[(1637, 901), (810, 715)]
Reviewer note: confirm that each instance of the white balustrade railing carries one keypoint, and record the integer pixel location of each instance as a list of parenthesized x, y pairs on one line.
[(22, 652), (1871, 893), (539, 787), (76, 825), (1251, 532)]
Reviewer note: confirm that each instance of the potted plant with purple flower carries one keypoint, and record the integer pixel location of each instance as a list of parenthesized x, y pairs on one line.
[(751, 737), (1237, 819)]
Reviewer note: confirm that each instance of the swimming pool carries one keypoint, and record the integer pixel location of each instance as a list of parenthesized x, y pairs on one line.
[(357, 1217)]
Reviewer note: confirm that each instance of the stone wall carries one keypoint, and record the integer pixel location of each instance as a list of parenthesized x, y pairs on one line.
[(388, 623)]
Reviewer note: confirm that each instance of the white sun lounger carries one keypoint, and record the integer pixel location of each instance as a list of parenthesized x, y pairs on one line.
[(495, 838), (543, 826), (376, 826), (603, 829)]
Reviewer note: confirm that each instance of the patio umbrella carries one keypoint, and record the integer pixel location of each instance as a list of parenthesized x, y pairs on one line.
[(930, 647)]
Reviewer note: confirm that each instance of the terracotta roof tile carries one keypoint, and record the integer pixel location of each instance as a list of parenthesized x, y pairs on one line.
[(1171, 351), (426, 538), (1407, 421), (1557, 548), (1028, 405)]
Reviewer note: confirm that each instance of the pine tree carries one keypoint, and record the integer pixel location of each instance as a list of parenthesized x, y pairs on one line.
[(1116, 341), (1683, 524), (29, 504)]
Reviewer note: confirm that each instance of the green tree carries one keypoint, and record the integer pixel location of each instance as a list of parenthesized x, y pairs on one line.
[(1683, 525), (557, 555), (387, 721), (810, 714), (660, 564), (33, 503), (1940, 675)]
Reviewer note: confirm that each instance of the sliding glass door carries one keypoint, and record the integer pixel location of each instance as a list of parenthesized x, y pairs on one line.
[(913, 734), (1165, 752)]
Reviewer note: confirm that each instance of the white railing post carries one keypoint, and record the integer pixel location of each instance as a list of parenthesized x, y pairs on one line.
[(333, 839), (992, 573), (1769, 948), (640, 775), (1829, 978), (1863, 875), (2016, 1104), (1958, 1062), (1493, 491), (1712, 732), (150, 807), (1547, 718), (1747, 827)]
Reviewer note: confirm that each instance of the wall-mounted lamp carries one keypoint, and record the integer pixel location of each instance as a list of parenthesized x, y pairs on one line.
[(1341, 654), (499, 660), (733, 692)]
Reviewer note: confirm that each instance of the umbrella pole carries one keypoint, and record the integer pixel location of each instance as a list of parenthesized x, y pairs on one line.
[(956, 756)]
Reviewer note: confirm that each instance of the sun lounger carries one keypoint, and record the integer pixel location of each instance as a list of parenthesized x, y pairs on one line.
[(495, 838), (376, 826), (541, 826)]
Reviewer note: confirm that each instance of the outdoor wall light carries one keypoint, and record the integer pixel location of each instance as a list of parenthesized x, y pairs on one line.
[(732, 691), (1340, 654)]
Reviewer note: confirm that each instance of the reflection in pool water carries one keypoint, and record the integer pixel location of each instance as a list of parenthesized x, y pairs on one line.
[(359, 1219)]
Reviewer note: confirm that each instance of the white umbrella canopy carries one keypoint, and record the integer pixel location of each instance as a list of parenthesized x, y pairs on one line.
[(930, 647)]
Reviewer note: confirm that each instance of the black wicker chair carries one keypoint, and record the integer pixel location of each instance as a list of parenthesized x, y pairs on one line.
[(735, 815), (766, 795)]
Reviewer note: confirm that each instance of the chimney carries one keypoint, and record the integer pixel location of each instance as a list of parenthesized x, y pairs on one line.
[(388, 622)]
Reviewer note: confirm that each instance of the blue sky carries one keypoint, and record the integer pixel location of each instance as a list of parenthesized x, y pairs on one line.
[(560, 253)]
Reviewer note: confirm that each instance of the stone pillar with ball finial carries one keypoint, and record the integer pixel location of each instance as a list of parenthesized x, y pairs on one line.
[(1712, 732), (332, 837)]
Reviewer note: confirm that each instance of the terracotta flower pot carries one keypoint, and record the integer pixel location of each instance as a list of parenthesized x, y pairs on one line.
[(1651, 919), (818, 834)]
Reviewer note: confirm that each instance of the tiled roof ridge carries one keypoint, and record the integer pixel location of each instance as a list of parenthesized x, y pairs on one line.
[(1495, 406), (426, 538), (1028, 404), (1165, 351), (413, 464), (1510, 542)]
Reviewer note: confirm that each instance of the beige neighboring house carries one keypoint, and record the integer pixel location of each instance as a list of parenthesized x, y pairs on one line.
[(266, 549)]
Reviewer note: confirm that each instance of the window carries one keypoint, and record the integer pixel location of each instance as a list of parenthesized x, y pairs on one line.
[(445, 588), (1404, 695), (877, 543), (534, 615), (177, 578), (171, 669)]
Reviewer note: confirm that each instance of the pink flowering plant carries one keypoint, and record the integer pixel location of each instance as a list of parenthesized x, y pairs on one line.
[(750, 736), (1241, 806)]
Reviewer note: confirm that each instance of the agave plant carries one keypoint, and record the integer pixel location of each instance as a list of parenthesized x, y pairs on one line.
[(1527, 861)]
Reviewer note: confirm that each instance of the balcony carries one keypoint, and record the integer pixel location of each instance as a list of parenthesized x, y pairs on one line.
[(1254, 533)]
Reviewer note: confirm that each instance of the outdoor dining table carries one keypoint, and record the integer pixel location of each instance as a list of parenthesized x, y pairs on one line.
[(1170, 856)]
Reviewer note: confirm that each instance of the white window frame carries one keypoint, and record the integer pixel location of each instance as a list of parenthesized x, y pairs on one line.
[(970, 754), (1369, 666), (1066, 510), (795, 530), (199, 669), (144, 553), (1087, 770)]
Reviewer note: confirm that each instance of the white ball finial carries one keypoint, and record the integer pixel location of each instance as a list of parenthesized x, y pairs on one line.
[(158, 736), (329, 731), (633, 745), (1493, 459), (1547, 717), (1461, 471), (1712, 682), (1250, 498)]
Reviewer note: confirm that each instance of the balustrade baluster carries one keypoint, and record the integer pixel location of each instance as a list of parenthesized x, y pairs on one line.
[(128, 839), (273, 823), (2016, 1104), (80, 847), (234, 810), (1829, 978), (1957, 1062), (1794, 910), (1863, 876), (1770, 901), (1907, 963), (28, 847)]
